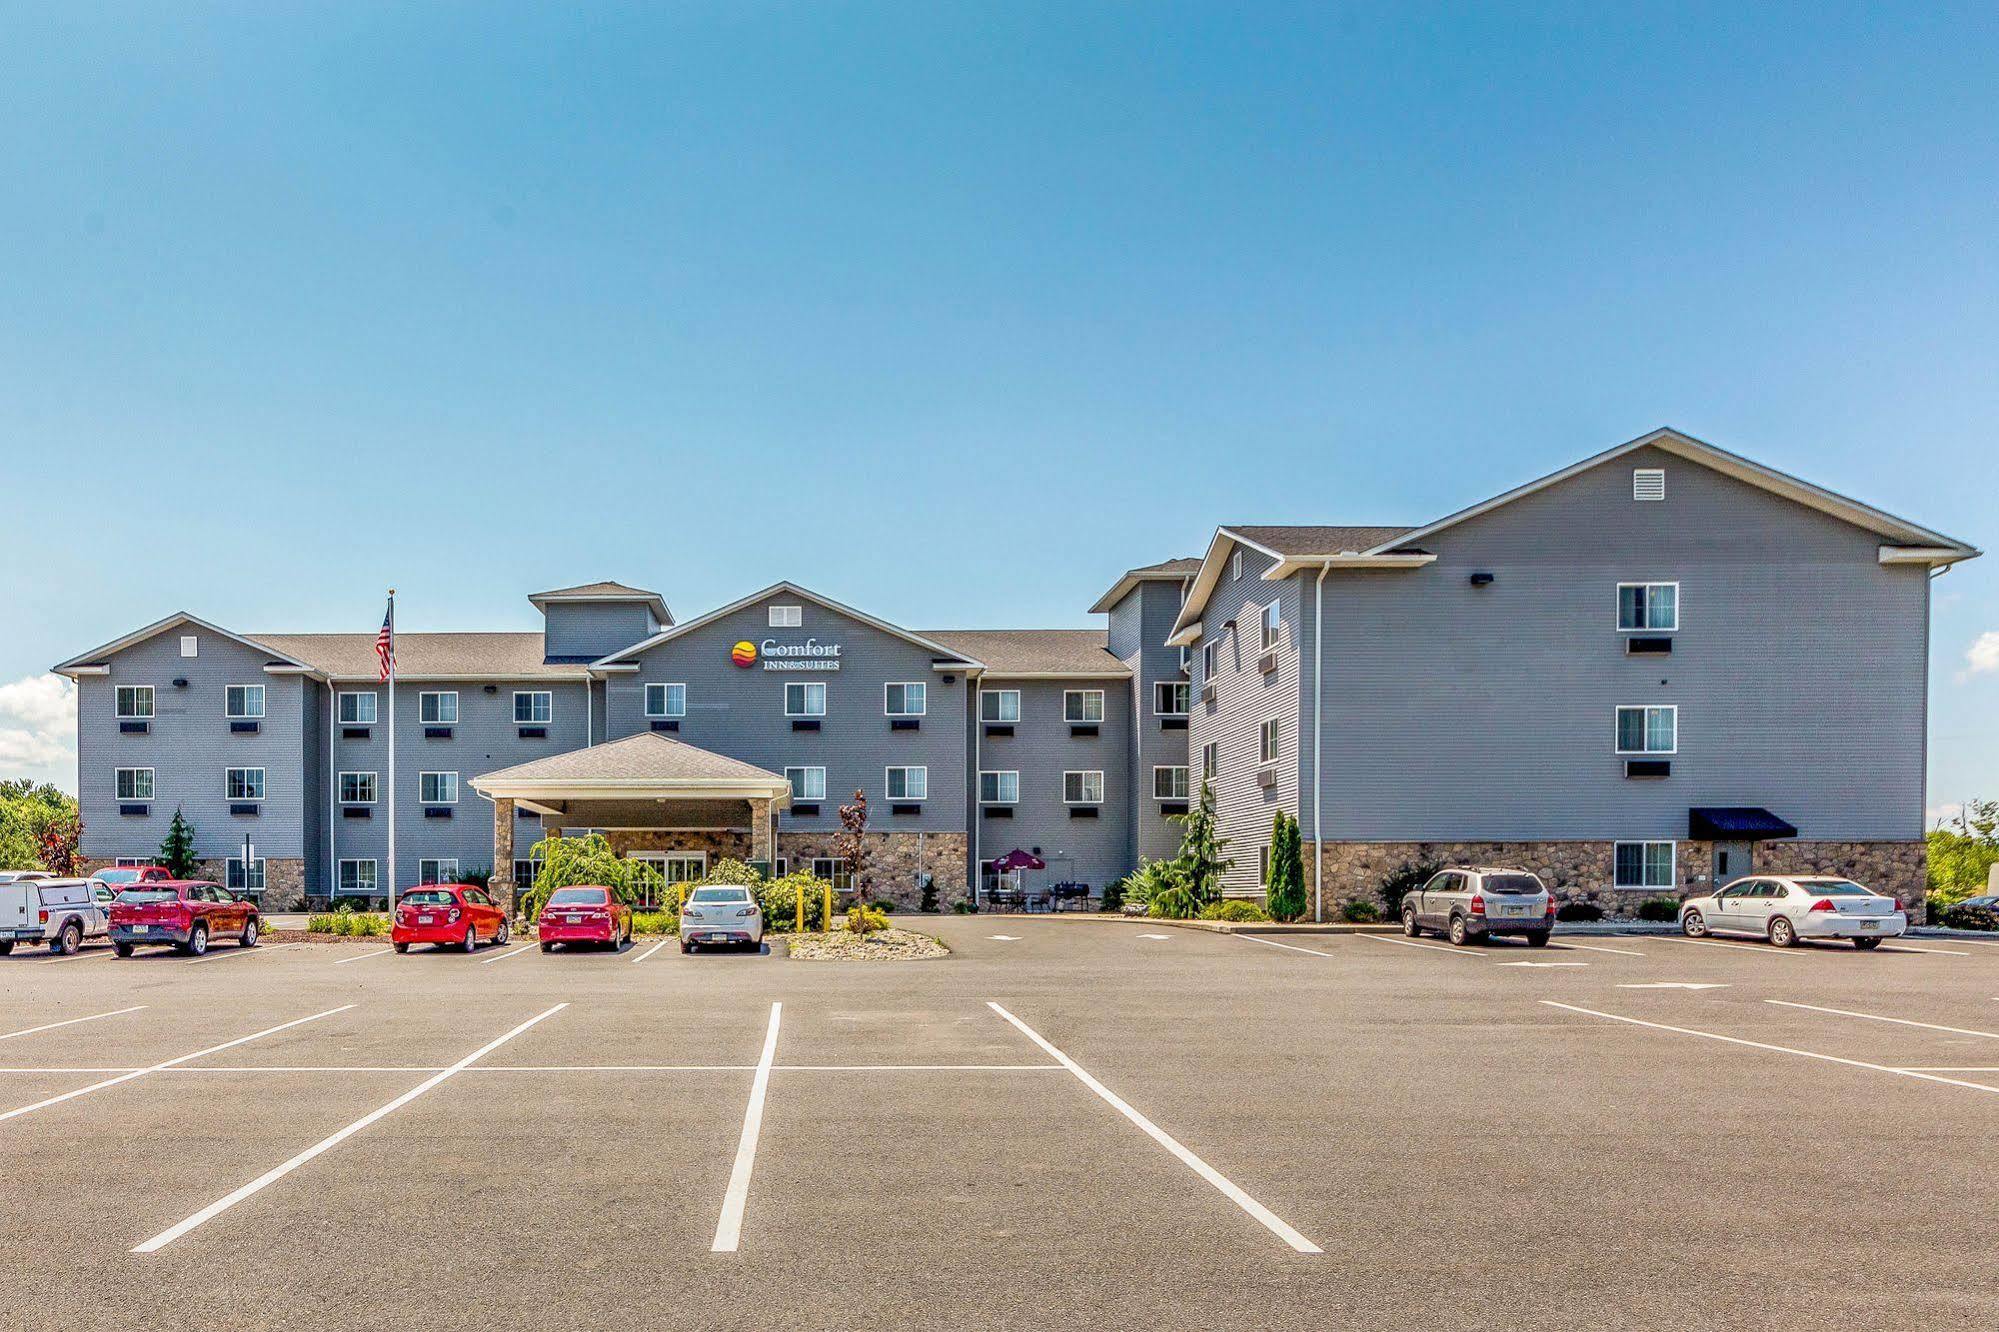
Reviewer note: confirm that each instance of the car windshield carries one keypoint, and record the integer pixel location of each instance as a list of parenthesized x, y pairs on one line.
[(117, 876), (720, 895), (427, 897), (1834, 888), (1512, 884), (577, 897), (149, 895)]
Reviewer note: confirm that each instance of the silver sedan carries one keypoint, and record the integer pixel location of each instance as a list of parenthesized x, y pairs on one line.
[(1785, 908)]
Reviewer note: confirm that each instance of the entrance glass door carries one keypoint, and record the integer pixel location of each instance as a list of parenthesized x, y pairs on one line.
[(674, 867)]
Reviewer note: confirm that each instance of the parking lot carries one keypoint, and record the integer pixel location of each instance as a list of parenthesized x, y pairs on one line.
[(1066, 1123)]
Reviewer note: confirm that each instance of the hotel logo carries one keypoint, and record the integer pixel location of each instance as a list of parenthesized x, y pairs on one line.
[(744, 654)]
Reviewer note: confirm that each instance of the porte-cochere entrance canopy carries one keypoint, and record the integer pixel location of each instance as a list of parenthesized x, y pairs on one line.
[(647, 793)]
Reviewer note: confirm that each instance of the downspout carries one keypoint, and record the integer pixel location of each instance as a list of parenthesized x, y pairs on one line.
[(332, 792), (1318, 741), (974, 681)]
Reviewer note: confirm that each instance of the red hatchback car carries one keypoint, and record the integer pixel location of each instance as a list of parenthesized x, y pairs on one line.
[(587, 913), (448, 913), (183, 913)]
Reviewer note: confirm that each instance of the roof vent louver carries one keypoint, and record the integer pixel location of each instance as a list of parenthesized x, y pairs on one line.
[(1648, 483)]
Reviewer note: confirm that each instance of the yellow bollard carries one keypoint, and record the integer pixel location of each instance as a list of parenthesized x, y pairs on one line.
[(798, 901), (826, 922)]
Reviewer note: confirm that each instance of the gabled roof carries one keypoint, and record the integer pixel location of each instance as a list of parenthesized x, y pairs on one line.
[(1166, 571), (449, 656), (789, 589), (1032, 653), (83, 663), (1292, 548), (645, 757), (604, 591), (1315, 542)]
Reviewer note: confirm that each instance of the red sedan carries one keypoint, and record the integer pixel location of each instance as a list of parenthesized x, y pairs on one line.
[(186, 914), (587, 913), (445, 914)]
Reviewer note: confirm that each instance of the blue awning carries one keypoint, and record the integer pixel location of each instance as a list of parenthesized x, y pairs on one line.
[(1735, 823)]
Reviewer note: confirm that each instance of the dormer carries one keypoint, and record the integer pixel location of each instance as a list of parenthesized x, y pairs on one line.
[(581, 624)]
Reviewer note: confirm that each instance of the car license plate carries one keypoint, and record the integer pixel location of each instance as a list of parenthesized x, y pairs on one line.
[(426, 920), (1513, 911), (718, 937), (140, 929), (1870, 924)]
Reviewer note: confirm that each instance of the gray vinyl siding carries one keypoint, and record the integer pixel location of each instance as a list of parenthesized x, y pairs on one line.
[(1245, 698), (190, 748), (1139, 625), (593, 629), (1798, 669), (312, 754), (1093, 851), (740, 712)]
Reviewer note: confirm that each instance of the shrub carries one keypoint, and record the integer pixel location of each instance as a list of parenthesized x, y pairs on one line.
[(1360, 911), (732, 874), (655, 922), (1235, 909), (1113, 899), (961, 907), (1176, 903), (1151, 878), (1962, 917), (1658, 909), (568, 861), (928, 902), (866, 919), (1400, 882), (348, 924), (1285, 889), (1578, 911), (321, 923), (779, 900)]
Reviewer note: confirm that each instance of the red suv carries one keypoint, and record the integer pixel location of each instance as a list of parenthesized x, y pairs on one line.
[(183, 913), (447, 913)]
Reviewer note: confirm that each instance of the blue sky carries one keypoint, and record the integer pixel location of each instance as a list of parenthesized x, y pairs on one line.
[(950, 311)]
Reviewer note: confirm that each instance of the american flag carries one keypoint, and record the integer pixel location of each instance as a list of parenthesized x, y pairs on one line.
[(385, 642)]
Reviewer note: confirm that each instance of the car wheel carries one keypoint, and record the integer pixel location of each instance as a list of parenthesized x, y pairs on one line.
[(1409, 925), (1538, 939), (686, 945), (249, 939), (548, 948), (6, 947), (471, 944), (401, 947), (70, 940), (1782, 933), (505, 936), (123, 950), (197, 939), (1865, 944), (1460, 934), (1693, 925)]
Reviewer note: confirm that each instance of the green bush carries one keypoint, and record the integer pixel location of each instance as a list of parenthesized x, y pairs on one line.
[(732, 874), (1404, 880), (866, 919), (1580, 911), (1360, 911), (565, 862), (1284, 889), (1151, 878), (1658, 909), (779, 900), (348, 924), (1234, 909), (1112, 901), (655, 922), (1176, 903), (1962, 917), (961, 907)]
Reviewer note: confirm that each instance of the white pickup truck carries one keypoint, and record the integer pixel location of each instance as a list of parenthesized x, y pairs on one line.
[(60, 912)]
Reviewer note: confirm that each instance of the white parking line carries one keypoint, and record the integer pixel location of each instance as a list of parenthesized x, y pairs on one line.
[(1015, 938), (69, 1022), (1779, 1049), (243, 952), (221, 1205), (1274, 944), (1940, 952), (81, 955), (1599, 948), (362, 957), (1155, 936), (1412, 943), (501, 957), (1764, 949), (1275, 1224), (166, 1064), (650, 951), (729, 1227), (1876, 1017)]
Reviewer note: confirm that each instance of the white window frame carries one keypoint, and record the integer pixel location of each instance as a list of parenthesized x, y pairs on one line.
[(118, 785), (134, 862), (341, 887), (922, 689), (137, 692), (784, 616), (1235, 565), (1186, 696), (423, 799), (1644, 845), (999, 796), (1618, 609), (432, 701), (1085, 695), (841, 870), (1209, 651), (525, 873), (1617, 722), (1270, 627), (1270, 742), (1210, 762), (374, 707), (1002, 695), (257, 880), (531, 719), (229, 785), (806, 770), (666, 708), (437, 875), (1085, 798), (228, 702), (805, 688), (918, 770), (1263, 865), (190, 645), (1186, 789), (374, 788)]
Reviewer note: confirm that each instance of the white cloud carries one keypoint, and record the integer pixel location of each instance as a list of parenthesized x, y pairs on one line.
[(38, 730), (1982, 656), (1936, 815)]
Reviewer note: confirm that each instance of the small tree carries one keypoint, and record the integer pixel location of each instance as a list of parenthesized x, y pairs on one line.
[(1284, 892), (567, 861), (177, 851), (58, 845), (851, 843), (1201, 860)]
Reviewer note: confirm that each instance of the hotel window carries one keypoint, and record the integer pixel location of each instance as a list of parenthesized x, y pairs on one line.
[(905, 700), (999, 788), (1645, 865), (908, 783), (666, 700), (190, 645), (805, 699), (135, 702), (999, 705), (444, 870), (1083, 705), (1208, 659), (1208, 762), (1648, 730), (1169, 783), (135, 783), (134, 862), (357, 878), (786, 617), (1169, 698), (357, 709), (1267, 743), (833, 870), (524, 874), (246, 783), (1648, 607), (780, 866), (806, 783), (357, 788), (437, 788), (1271, 626), (533, 707), (438, 709), (243, 702), (238, 882), (1263, 863), (1235, 565), (1082, 788)]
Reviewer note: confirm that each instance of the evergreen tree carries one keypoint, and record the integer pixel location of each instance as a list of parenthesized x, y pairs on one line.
[(1200, 860), (177, 851), (1284, 893)]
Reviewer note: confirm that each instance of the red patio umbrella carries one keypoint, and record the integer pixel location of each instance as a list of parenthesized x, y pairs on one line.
[(1018, 859)]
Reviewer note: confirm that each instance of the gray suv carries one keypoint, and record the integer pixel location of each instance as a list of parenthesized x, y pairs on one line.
[(1467, 904)]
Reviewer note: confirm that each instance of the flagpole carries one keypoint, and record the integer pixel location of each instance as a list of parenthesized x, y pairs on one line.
[(392, 753)]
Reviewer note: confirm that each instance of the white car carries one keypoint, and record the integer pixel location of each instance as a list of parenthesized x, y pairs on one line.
[(59, 912), (720, 914), (1785, 908)]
